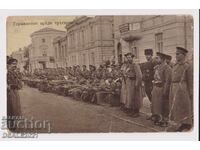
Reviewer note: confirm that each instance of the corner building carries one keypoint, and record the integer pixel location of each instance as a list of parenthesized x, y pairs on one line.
[(42, 51), (90, 40)]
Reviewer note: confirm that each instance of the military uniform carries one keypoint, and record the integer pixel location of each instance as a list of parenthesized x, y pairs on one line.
[(13, 99), (147, 69), (160, 93), (85, 74), (123, 87), (133, 79), (181, 92)]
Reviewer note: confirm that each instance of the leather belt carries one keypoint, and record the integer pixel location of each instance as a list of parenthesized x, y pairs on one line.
[(158, 84), (132, 78), (178, 81)]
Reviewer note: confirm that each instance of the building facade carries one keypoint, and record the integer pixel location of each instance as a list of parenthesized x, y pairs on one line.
[(89, 40), (22, 57), (162, 33), (41, 49), (60, 47), (94, 40)]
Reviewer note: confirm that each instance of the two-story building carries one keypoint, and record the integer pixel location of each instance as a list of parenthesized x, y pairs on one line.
[(42, 53)]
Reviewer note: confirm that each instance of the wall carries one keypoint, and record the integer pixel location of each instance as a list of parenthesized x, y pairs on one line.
[(176, 30)]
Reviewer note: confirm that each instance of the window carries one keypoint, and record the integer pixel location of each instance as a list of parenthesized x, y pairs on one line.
[(83, 40), (56, 52), (43, 40), (84, 59), (91, 33), (63, 53), (92, 58), (44, 53), (65, 50), (60, 52), (159, 42)]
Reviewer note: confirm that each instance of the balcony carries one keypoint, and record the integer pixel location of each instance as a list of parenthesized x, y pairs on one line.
[(124, 28), (130, 31)]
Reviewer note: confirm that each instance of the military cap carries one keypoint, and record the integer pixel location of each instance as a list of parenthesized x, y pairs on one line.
[(181, 50), (162, 55), (129, 53), (8, 58), (11, 60), (107, 63), (168, 57), (148, 52), (100, 66)]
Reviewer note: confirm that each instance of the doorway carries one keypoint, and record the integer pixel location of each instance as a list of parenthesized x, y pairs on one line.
[(119, 53)]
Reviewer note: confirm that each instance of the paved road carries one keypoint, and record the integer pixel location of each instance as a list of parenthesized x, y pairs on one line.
[(68, 115)]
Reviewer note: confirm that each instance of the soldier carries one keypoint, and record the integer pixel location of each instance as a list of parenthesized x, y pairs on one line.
[(181, 92), (148, 73), (168, 60), (85, 73), (123, 88), (160, 93), (133, 77), (100, 72), (93, 72), (13, 99)]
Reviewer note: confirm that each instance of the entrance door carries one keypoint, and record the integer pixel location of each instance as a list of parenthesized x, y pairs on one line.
[(44, 65)]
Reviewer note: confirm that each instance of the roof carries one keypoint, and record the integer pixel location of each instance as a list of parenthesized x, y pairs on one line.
[(43, 30)]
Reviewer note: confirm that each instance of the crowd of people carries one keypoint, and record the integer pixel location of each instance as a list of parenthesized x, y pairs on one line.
[(169, 87)]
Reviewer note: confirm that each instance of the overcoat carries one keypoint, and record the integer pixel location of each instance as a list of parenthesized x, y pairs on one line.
[(181, 93), (13, 99), (123, 88), (160, 93), (133, 87)]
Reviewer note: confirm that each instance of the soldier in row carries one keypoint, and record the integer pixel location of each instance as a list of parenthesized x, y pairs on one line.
[(160, 93), (172, 95), (181, 92), (131, 92), (148, 73)]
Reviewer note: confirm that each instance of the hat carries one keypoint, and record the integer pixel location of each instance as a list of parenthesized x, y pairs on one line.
[(132, 55), (181, 50), (162, 55), (148, 52), (11, 60), (168, 57)]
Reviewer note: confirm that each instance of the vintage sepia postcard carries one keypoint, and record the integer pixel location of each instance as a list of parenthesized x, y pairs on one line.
[(100, 74)]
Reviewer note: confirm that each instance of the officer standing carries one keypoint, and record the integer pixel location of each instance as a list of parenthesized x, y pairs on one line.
[(168, 60), (181, 92), (13, 99), (133, 77), (148, 73), (160, 93)]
